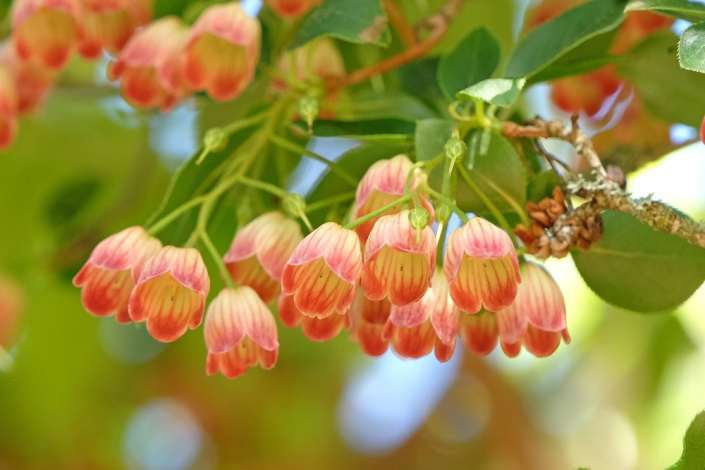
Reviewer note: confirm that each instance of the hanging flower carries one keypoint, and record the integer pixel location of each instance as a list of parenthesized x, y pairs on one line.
[(170, 294), (368, 320), (316, 329), (240, 332), (222, 51), (8, 109), (481, 267), (112, 270), (110, 23), (31, 80), (259, 252), (397, 264), (323, 271)]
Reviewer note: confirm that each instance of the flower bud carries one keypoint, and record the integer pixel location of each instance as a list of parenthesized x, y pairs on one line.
[(308, 107), (215, 139), (455, 150), (443, 213), (294, 204)]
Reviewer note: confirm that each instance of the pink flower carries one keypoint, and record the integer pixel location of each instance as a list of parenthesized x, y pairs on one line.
[(240, 332), (411, 326), (171, 292), (222, 51), (536, 318), (481, 267), (32, 81), (479, 332), (316, 329), (148, 66), (110, 23), (260, 251), (48, 30), (368, 320), (292, 8), (112, 270), (382, 184), (323, 270), (396, 264), (8, 109)]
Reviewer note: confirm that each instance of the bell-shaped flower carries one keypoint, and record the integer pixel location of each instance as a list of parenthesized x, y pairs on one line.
[(108, 24), (222, 51), (112, 270), (408, 324), (481, 267), (240, 332), (369, 318), (323, 271), (31, 80), (170, 294), (316, 329), (259, 252), (292, 8), (398, 264), (536, 318), (479, 332), (46, 30), (8, 109), (148, 65), (382, 184)]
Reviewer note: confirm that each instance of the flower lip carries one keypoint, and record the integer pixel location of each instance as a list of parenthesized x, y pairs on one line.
[(184, 264)]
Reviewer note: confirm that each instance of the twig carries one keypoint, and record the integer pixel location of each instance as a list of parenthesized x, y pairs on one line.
[(405, 32)]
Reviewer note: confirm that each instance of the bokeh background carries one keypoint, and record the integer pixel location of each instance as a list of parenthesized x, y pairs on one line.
[(79, 392)]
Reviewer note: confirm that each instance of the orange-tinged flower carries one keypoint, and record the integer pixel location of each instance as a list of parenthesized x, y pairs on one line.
[(240, 332), (537, 315), (170, 293), (479, 332), (148, 66), (32, 80), (222, 51), (112, 270), (48, 30), (585, 92), (11, 304), (108, 24), (292, 8), (323, 270), (368, 320), (481, 267), (316, 329), (382, 184), (8, 109), (260, 251), (408, 325), (397, 265)]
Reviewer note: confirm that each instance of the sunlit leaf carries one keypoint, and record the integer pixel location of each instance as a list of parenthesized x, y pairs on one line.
[(554, 38), (638, 268), (431, 136), (691, 48), (693, 457), (474, 59), (360, 21), (686, 9), (499, 91), (390, 130)]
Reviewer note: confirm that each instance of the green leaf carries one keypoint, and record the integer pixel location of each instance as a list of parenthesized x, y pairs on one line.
[(385, 130), (358, 21), (500, 91), (668, 92), (474, 59), (638, 268), (419, 78), (431, 136), (691, 48), (688, 10), (693, 457), (554, 38), (495, 166)]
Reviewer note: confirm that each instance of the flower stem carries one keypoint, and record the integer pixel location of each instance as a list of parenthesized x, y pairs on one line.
[(379, 211), (162, 223), (440, 239), (334, 168), (208, 243), (448, 201), (323, 203), (268, 187), (485, 200)]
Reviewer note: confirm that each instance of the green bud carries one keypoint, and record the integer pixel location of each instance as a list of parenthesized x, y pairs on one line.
[(443, 213), (294, 204), (419, 218), (215, 139), (455, 149), (308, 107)]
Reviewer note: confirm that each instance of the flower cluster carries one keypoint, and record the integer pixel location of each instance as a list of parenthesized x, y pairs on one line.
[(378, 277)]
